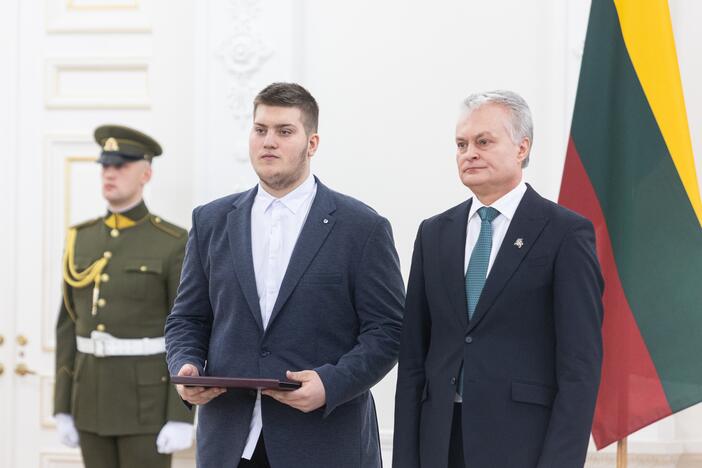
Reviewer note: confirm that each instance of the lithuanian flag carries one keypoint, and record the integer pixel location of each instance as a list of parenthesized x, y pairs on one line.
[(630, 169)]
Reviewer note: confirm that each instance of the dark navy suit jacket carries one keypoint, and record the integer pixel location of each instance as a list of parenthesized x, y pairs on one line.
[(532, 351), (338, 312)]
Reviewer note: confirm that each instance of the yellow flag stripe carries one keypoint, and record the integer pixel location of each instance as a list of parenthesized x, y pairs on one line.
[(648, 35)]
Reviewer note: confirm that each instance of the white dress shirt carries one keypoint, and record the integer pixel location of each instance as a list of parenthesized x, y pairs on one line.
[(275, 227), (506, 205)]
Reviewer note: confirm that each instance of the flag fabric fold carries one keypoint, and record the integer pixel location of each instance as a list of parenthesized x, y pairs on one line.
[(630, 169)]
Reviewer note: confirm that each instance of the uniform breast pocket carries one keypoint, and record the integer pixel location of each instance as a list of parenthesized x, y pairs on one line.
[(141, 276)]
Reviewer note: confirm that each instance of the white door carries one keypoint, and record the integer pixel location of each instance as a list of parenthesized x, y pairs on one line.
[(67, 66)]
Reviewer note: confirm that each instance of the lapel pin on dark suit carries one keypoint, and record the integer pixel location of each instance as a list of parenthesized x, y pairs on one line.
[(325, 221), (519, 243)]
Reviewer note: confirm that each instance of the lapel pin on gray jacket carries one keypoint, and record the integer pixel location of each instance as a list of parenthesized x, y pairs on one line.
[(519, 243), (325, 221)]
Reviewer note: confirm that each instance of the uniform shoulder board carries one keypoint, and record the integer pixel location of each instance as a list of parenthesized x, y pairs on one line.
[(90, 222), (168, 228)]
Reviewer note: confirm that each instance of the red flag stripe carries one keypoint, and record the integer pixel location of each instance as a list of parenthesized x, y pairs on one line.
[(631, 395)]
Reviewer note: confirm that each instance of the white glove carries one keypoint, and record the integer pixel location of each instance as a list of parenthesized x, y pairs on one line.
[(174, 436), (68, 435)]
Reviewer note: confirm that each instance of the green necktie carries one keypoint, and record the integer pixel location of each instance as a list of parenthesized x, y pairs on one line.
[(478, 266)]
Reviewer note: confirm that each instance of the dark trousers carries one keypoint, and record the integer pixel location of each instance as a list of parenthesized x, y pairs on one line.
[(259, 459), (127, 451), (455, 458)]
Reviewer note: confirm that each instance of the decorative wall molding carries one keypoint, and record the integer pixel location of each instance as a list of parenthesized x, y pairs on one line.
[(98, 83), (68, 159), (89, 16), (61, 460), (242, 54), (46, 401), (242, 40)]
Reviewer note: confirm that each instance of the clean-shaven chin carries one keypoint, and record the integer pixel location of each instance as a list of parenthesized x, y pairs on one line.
[(109, 191), (473, 170)]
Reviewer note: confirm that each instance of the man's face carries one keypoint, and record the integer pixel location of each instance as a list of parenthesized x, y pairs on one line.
[(124, 183), (489, 162), (279, 147)]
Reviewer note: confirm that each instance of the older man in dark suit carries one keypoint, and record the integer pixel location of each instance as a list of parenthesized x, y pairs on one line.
[(501, 344), (287, 280)]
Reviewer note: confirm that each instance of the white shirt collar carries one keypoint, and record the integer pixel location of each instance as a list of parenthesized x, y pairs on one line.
[(293, 200), (507, 204)]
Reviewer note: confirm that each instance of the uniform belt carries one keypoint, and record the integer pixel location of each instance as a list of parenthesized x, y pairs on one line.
[(101, 344)]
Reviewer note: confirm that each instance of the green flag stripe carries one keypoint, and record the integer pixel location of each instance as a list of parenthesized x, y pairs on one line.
[(656, 238)]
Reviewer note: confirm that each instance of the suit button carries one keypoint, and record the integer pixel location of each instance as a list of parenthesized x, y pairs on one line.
[(100, 327), (469, 339), (104, 277), (265, 353), (453, 380), (101, 302)]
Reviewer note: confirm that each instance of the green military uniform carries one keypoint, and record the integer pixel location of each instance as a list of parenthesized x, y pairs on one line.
[(121, 274)]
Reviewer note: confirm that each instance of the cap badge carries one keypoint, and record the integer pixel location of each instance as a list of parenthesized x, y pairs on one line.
[(110, 145)]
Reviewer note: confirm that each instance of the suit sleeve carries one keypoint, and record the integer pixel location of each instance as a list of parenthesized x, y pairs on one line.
[(414, 345), (65, 357), (578, 315), (176, 411), (189, 324), (379, 298)]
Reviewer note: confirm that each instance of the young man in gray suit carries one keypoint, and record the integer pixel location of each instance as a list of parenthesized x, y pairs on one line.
[(289, 280)]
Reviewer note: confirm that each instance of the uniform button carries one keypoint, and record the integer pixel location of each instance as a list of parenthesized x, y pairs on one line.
[(102, 302), (157, 219), (469, 340), (114, 233), (100, 327), (164, 379), (143, 268), (107, 254), (265, 353), (104, 277), (453, 380)]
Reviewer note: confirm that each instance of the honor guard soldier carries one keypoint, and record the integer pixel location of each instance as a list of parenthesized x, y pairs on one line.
[(120, 276)]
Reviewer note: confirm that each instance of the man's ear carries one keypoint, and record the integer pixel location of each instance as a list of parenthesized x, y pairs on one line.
[(524, 148), (312, 144), (146, 175)]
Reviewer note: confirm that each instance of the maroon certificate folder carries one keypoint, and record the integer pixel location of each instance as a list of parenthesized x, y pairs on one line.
[(234, 382)]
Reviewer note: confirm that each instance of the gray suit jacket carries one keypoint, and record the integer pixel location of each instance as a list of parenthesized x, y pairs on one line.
[(338, 312)]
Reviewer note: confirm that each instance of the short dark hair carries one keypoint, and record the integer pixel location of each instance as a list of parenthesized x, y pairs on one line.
[(291, 95)]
